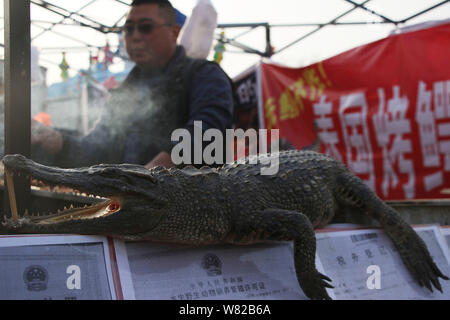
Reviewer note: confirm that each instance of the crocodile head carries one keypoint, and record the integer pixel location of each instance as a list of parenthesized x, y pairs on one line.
[(133, 202)]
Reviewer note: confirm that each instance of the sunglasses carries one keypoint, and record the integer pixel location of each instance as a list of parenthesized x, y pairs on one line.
[(142, 28)]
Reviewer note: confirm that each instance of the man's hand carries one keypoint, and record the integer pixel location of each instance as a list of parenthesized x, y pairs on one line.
[(161, 159), (45, 137)]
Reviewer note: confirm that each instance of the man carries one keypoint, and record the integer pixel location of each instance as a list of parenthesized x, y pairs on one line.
[(165, 91)]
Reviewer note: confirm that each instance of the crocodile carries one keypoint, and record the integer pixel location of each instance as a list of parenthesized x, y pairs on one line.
[(231, 204)]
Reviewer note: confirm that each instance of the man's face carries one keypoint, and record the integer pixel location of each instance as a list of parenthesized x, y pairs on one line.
[(152, 47)]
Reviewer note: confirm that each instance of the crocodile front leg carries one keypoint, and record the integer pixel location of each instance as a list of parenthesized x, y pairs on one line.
[(284, 225)]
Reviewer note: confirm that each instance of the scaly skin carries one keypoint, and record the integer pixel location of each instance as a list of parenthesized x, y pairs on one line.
[(232, 204)]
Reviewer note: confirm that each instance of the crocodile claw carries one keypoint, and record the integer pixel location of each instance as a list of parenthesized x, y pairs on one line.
[(313, 285), (420, 263)]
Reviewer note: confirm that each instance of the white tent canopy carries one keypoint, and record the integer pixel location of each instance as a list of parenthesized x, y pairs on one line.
[(301, 32)]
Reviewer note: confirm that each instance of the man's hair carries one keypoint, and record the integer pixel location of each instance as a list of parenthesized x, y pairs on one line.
[(166, 9)]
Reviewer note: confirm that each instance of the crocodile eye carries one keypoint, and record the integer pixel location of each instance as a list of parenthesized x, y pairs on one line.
[(113, 207)]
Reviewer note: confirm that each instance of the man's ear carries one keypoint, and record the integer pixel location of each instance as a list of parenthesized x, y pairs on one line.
[(176, 30)]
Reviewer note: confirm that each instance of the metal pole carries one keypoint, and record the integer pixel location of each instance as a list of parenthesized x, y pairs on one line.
[(320, 27), (423, 11), (17, 92), (269, 50)]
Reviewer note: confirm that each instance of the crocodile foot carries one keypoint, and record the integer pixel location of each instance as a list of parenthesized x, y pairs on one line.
[(420, 264), (313, 285)]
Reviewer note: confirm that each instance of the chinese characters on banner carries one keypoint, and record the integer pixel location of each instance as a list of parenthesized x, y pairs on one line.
[(383, 109)]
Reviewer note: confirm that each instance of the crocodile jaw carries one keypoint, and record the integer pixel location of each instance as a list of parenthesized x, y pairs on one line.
[(98, 210)]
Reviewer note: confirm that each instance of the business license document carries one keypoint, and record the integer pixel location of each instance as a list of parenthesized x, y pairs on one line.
[(157, 271), (446, 233), (364, 264), (55, 267)]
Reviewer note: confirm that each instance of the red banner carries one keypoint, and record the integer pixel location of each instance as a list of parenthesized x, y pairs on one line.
[(383, 109)]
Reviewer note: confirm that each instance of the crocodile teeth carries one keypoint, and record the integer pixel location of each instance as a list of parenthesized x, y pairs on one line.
[(12, 195)]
